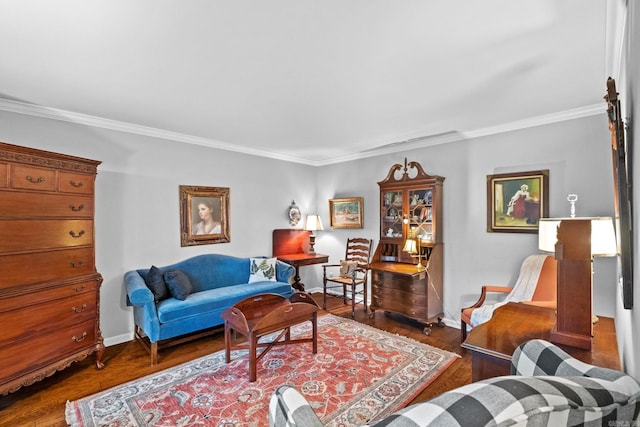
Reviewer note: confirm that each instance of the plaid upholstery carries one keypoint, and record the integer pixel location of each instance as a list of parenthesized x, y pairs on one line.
[(549, 388)]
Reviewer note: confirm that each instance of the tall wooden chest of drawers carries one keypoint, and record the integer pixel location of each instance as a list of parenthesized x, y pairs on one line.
[(49, 286)]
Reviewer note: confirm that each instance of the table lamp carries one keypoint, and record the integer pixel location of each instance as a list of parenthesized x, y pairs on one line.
[(313, 223), (413, 246), (575, 241)]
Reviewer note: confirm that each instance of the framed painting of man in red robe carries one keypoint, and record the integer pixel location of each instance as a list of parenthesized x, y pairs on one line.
[(516, 201)]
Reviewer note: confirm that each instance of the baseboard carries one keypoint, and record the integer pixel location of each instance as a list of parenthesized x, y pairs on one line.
[(118, 339)]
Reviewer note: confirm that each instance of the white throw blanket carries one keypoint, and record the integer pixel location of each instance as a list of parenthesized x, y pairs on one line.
[(522, 291)]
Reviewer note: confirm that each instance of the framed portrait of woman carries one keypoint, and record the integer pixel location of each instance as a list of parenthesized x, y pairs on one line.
[(516, 201), (204, 215)]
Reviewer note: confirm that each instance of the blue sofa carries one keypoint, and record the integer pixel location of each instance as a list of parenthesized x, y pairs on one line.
[(217, 282)]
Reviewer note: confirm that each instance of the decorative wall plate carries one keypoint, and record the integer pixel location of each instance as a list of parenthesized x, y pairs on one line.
[(294, 214)]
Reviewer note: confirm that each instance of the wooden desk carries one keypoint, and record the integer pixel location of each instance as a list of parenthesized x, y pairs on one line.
[(298, 260), (493, 342)]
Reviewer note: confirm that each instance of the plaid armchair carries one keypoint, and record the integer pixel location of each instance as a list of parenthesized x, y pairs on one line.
[(547, 388)]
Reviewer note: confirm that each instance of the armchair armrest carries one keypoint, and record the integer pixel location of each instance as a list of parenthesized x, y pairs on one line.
[(539, 357), (289, 408), (485, 290), (138, 293)]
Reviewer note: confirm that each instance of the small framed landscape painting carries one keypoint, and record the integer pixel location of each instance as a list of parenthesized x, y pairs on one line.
[(516, 201), (346, 213), (204, 215)]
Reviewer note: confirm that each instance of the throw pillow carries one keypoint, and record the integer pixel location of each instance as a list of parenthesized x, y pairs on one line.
[(347, 268), (178, 283), (155, 283), (262, 269)]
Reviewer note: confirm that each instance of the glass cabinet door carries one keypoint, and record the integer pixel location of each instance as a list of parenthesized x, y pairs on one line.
[(392, 214), (421, 215)]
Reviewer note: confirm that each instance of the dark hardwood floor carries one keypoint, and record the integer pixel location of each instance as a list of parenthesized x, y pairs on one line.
[(43, 403)]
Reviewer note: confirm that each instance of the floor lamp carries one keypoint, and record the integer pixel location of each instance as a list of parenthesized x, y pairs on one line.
[(575, 241)]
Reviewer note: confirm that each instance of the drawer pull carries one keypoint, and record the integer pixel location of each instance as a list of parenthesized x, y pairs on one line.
[(34, 180), (76, 264), (76, 209), (80, 288), (82, 338), (75, 184), (79, 310), (76, 235)]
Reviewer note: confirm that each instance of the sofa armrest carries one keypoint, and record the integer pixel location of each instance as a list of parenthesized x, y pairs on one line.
[(284, 271), (138, 293), (289, 408)]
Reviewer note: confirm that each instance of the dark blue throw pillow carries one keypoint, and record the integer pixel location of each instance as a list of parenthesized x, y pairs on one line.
[(178, 284), (155, 283)]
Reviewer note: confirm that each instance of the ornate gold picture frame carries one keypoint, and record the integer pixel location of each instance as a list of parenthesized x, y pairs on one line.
[(516, 201), (204, 215), (346, 213)]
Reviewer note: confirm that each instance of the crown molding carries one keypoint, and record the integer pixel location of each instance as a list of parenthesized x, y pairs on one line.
[(100, 122), (414, 143)]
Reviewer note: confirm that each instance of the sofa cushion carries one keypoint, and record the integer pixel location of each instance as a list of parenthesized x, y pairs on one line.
[(178, 284), (208, 301), (155, 283), (262, 269)]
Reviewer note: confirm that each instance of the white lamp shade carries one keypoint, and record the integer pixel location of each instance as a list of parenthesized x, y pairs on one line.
[(314, 223), (603, 239), (410, 246)]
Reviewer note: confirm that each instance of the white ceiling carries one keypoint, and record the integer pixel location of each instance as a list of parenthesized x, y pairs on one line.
[(309, 81)]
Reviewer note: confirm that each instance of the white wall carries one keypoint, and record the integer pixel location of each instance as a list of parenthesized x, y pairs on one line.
[(137, 219)]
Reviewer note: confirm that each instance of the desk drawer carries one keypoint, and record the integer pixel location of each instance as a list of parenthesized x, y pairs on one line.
[(414, 311), (415, 284)]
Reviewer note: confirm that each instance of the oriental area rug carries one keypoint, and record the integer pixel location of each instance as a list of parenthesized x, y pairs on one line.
[(358, 375)]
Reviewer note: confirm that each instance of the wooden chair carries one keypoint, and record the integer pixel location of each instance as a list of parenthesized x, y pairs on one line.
[(352, 273), (536, 284)]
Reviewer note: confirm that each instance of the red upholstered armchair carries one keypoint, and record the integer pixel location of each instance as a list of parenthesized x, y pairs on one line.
[(536, 284)]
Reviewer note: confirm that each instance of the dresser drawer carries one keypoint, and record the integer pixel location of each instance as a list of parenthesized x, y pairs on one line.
[(23, 235), (405, 298), (416, 284), (45, 295), (32, 178), (23, 269), (27, 355), (22, 204), (414, 311), (49, 316), (70, 182)]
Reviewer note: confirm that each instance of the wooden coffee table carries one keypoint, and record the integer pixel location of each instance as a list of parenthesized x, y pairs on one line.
[(263, 314)]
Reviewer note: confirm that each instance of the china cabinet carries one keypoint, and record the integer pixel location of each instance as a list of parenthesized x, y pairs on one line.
[(49, 286), (407, 267)]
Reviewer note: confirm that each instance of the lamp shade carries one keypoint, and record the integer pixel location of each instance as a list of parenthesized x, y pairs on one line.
[(410, 246), (603, 239), (314, 223)]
